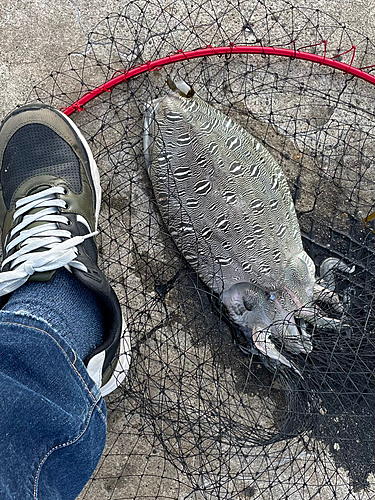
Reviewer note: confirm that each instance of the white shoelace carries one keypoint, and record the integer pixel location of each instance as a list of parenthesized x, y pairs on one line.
[(61, 244)]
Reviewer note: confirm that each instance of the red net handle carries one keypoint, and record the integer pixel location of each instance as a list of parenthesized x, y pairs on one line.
[(216, 51)]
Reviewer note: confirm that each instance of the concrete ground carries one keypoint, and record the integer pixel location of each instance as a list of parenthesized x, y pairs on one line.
[(35, 35)]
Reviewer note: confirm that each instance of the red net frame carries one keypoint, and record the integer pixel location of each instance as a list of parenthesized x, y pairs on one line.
[(219, 51)]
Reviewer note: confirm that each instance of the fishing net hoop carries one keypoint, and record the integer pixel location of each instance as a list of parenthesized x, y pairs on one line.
[(219, 51)]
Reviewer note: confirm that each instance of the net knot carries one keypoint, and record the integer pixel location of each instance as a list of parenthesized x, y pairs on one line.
[(211, 48), (105, 88), (77, 107), (294, 49), (352, 48), (151, 68), (228, 55), (324, 42), (119, 72), (181, 51)]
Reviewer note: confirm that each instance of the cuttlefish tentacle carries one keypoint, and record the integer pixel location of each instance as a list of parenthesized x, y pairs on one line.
[(262, 341), (315, 316), (325, 286), (328, 269)]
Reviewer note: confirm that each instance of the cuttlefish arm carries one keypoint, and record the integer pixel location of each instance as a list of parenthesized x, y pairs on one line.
[(329, 268), (325, 286), (261, 338)]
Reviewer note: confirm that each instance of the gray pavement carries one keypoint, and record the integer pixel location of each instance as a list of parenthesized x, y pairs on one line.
[(35, 35)]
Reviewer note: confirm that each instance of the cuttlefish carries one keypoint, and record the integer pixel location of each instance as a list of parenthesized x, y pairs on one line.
[(228, 207)]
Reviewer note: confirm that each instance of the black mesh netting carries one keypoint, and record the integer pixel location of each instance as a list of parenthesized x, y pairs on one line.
[(197, 416)]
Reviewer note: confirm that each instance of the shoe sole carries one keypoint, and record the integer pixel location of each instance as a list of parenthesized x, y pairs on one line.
[(121, 366)]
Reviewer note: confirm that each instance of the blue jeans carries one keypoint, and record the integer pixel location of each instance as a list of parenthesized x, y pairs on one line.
[(52, 416)]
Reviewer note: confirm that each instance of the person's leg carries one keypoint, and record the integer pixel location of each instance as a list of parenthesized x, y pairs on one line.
[(52, 415), (67, 305), (63, 343)]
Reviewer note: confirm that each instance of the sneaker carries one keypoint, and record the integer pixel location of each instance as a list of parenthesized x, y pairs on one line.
[(49, 207)]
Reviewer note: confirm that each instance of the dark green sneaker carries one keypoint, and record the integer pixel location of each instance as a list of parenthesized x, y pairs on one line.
[(49, 207)]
